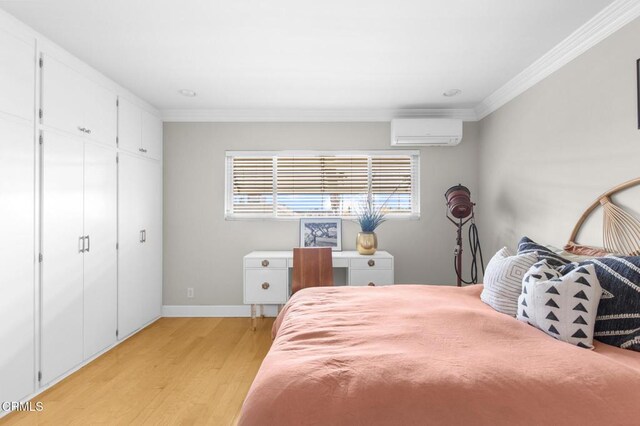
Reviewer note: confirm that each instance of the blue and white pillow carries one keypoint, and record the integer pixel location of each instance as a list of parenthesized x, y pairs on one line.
[(563, 306), (526, 245), (618, 320)]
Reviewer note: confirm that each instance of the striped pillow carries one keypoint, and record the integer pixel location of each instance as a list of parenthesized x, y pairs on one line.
[(618, 320), (527, 245), (503, 280)]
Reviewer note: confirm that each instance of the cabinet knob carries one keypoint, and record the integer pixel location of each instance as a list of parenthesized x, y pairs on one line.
[(371, 284), (265, 286), (371, 262), (265, 263)]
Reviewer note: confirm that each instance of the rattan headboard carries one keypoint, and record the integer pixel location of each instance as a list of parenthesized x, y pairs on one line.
[(620, 230)]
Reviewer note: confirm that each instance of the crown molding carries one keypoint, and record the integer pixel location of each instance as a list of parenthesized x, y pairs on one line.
[(310, 115), (606, 22), (609, 20)]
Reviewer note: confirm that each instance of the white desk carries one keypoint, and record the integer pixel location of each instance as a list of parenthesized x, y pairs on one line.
[(266, 274)]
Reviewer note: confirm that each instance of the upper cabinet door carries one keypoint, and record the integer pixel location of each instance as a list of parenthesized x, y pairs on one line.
[(100, 114), (62, 93), (152, 135), (129, 126), (17, 76), (139, 131), (75, 104)]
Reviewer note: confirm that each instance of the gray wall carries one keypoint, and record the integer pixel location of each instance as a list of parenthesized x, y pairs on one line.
[(546, 155), (203, 251)]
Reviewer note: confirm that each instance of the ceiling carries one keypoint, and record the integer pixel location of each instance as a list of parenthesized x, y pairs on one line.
[(279, 54)]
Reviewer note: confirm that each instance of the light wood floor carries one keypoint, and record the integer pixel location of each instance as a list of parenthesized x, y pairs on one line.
[(176, 371)]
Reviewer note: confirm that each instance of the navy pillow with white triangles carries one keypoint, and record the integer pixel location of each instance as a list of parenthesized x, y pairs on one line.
[(618, 320), (526, 245)]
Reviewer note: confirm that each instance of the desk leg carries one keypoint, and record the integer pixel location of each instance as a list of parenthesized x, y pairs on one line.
[(253, 317)]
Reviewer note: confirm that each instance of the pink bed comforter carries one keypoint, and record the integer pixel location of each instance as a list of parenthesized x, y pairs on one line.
[(429, 355)]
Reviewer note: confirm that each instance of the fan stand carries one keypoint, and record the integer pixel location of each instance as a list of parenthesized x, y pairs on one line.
[(458, 250)]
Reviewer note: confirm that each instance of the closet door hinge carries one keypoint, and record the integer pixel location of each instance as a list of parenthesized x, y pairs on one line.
[(41, 139), (117, 158), (40, 113), (117, 246), (41, 62), (116, 333), (40, 257), (117, 140), (117, 102), (39, 376)]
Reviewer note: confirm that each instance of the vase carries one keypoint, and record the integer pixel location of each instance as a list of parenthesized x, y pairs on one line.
[(367, 243)]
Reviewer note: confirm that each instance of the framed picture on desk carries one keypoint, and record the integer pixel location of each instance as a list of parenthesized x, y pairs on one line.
[(321, 232)]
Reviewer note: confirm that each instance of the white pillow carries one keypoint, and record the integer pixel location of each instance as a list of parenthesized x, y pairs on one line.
[(564, 307), (503, 280)]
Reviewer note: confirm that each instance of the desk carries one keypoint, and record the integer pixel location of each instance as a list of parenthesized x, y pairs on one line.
[(267, 279)]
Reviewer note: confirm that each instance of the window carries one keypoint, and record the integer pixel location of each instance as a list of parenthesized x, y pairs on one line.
[(281, 185)]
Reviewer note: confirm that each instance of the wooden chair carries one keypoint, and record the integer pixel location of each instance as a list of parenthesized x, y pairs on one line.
[(312, 267)]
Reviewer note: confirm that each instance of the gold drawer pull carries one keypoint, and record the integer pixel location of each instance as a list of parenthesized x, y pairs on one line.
[(265, 263), (371, 262), (265, 286), (372, 284)]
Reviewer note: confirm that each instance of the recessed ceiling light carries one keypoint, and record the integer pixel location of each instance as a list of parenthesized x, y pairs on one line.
[(187, 92), (452, 92)]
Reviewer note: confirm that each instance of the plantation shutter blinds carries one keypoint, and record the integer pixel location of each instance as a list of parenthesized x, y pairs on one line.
[(311, 184)]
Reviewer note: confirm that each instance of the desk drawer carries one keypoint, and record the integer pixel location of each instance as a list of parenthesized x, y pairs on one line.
[(340, 263), (266, 263), (265, 286), (371, 277), (372, 263)]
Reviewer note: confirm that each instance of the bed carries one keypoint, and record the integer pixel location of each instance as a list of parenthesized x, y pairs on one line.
[(414, 354), (420, 354)]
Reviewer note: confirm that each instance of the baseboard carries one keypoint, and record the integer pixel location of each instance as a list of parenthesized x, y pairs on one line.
[(221, 311), (76, 368)]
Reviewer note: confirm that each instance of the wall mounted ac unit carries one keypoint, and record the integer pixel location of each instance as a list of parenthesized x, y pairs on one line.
[(426, 132)]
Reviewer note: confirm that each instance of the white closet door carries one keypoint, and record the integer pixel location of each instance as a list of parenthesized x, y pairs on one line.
[(62, 268), (152, 135), (17, 76), (17, 257), (129, 126), (131, 260), (152, 304), (100, 257)]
